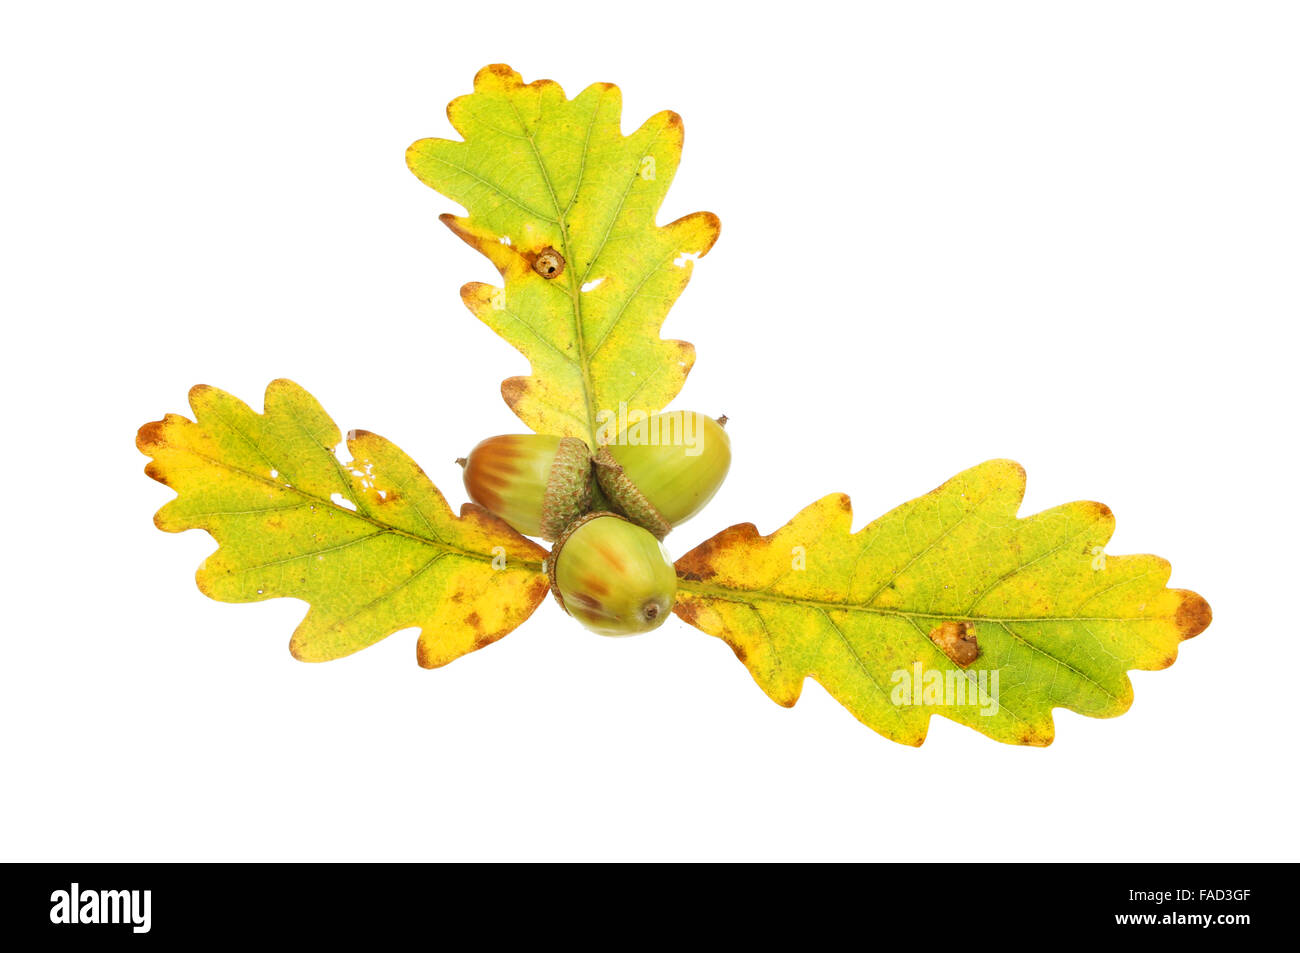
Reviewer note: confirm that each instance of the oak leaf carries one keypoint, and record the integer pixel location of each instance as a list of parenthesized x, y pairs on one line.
[(564, 205), (370, 544), (949, 605)]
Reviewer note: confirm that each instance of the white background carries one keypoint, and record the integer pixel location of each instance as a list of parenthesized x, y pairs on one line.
[(1063, 233)]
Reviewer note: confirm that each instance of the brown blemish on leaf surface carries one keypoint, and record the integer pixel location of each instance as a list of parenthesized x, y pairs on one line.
[(549, 263), (155, 472), (513, 390), (688, 611), (739, 649), (957, 640)]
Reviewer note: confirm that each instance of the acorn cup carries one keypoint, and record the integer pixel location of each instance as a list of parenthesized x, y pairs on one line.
[(612, 575), (662, 471), (537, 484)]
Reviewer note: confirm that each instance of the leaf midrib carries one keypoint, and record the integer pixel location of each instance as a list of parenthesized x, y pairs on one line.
[(750, 596), (824, 607), (561, 216), (384, 527)]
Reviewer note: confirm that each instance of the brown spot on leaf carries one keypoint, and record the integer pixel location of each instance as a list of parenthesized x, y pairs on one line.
[(957, 641), (739, 650), (688, 611), (474, 621), (1193, 616), (538, 587), (549, 263)]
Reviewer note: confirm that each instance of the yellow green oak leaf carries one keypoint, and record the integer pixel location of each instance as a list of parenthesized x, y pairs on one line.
[(912, 615), (564, 205), (370, 544)]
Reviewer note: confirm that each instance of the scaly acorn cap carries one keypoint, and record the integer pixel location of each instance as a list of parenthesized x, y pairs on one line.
[(538, 484), (612, 575), (663, 471)]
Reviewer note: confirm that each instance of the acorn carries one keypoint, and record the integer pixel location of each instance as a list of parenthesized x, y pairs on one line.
[(537, 484), (662, 471), (612, 575)]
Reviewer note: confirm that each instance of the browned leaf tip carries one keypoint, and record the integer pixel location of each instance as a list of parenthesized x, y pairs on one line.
[(504, 70), (150, 437), (1193, 616), (513, 390), (697, 564)]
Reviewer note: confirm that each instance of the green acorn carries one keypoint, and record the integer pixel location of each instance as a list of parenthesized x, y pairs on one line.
[(612, 576), (662, 471), (537, 484)]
